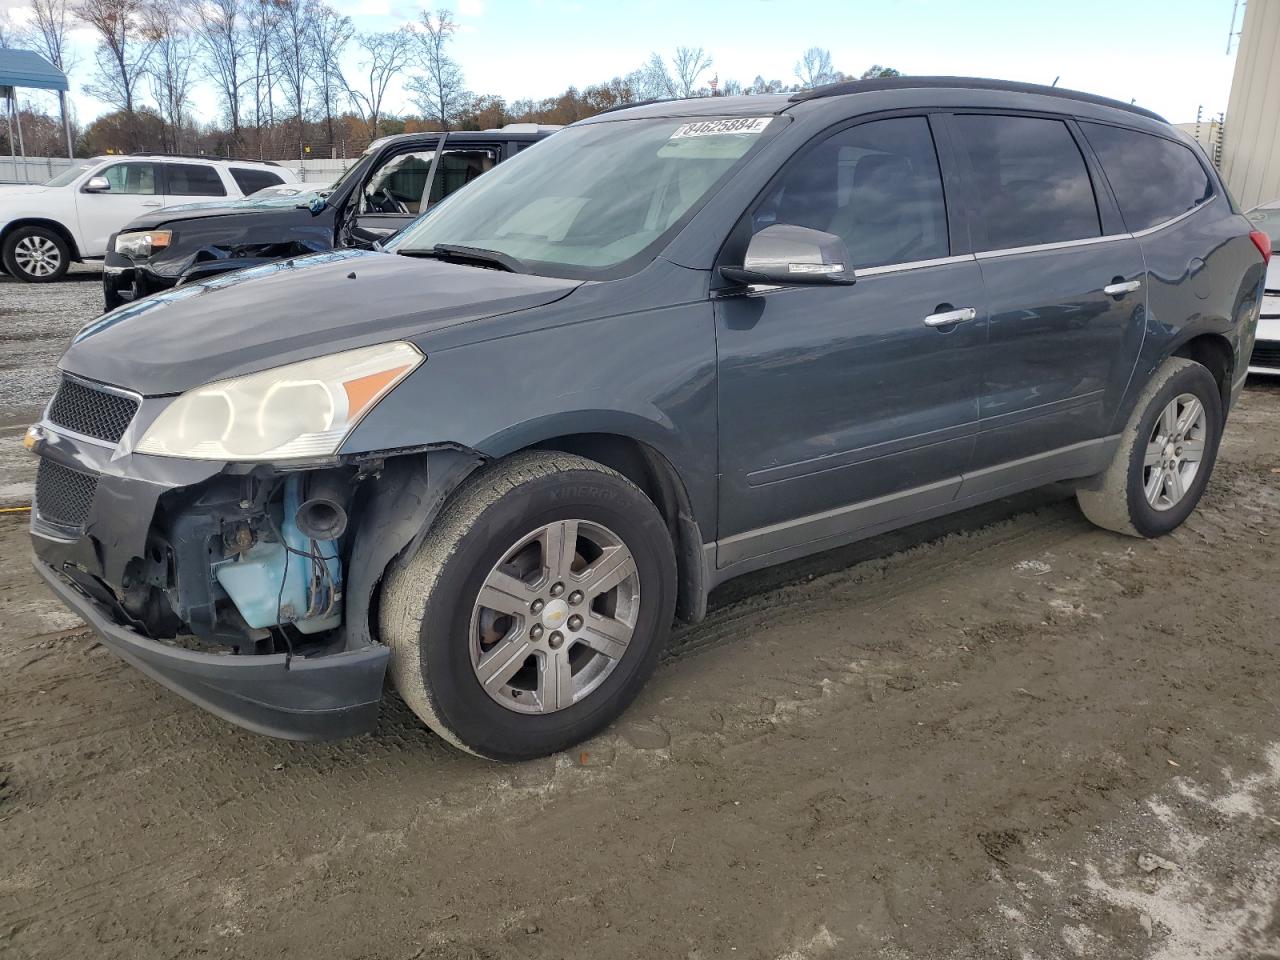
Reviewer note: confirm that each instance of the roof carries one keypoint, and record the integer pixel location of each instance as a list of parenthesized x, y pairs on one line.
[(764, 104), (26, 68), (846, 87)]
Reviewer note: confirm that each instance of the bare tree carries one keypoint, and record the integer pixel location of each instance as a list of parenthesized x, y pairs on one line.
[(9, 34), (220, 33), (761, 85), (330, 34), (123, 50), (293, 51), (261, 29), (813, 69), (442, 94), (876, 70), (170, 67), (384, 56), (51, 23), (688, 65)]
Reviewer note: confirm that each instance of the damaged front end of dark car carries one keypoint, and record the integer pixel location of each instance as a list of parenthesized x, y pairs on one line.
[(220, 521)]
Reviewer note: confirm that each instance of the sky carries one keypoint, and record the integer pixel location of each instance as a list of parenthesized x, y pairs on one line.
[(1167, 55)]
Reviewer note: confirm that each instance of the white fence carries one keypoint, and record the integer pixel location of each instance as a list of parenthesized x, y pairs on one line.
[(40, 169)]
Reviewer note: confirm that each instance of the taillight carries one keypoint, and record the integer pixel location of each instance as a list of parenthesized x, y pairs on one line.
[(1263, 243)]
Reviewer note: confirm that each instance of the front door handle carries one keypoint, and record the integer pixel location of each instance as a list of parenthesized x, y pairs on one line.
[(1119, 289), (151, 203), (947, 317)]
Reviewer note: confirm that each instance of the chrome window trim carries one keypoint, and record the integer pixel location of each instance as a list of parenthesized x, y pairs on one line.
[(911, 265), (1170, 222), (1057, 245)]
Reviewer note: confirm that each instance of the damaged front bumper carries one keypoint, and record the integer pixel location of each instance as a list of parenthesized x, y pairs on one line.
[(295, 698)]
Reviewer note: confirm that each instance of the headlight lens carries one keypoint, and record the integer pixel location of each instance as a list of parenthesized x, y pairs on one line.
[(301, 410), (142, 243)]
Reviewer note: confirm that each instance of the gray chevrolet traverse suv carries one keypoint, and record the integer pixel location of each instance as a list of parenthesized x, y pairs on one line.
[(669, 345)]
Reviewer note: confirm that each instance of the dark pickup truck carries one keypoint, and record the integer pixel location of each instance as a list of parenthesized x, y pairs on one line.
[(384, 191)]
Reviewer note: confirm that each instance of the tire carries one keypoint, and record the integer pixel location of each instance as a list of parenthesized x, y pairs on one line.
[(36, 255), (431, 617), (1119, 498)]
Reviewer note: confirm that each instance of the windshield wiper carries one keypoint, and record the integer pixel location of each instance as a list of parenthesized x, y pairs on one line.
[(464, 254)]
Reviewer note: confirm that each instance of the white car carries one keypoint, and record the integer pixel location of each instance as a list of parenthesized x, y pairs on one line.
[(1266, 348), (43, 228)]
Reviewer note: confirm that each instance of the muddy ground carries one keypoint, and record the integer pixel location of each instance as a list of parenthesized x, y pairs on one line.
[(1005, 735)]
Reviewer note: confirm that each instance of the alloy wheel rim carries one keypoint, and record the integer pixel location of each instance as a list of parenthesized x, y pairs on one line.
[(554, 617), (37, 256), (1175, 450)]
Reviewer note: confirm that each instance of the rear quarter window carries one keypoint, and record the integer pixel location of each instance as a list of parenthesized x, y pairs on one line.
[(1154, 179), (250, 180)]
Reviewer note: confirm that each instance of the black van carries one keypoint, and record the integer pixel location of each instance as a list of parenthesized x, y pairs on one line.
[(384, 191), (672, 344)]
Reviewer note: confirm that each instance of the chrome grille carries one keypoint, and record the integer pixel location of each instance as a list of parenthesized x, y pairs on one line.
[(90, 411), (64, 496)]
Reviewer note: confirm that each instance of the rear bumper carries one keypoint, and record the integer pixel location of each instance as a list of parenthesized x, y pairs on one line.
[(321, 698), (1266, 344)]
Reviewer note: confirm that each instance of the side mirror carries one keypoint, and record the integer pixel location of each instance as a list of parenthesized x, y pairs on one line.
[(785, 254), (97, 185)]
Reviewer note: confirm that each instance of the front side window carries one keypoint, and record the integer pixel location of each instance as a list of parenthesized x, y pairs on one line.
[(1030, 180), (193, 180), (1154, 179), (398, 185), (877, 186), (593, 201), (132, 178)]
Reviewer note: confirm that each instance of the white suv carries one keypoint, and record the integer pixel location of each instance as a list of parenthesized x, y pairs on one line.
[(45, 227)]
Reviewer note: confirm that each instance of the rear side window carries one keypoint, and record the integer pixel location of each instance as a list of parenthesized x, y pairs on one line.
[(192, 180), (875, 185), (1154, 179), (1031, 182), (251, 181)]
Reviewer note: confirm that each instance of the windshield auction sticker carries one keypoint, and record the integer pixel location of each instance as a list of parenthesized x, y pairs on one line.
[(715, 128)]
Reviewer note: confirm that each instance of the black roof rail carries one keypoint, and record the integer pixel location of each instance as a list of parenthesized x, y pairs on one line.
[(964, 83), (640, 103), (199, 156)]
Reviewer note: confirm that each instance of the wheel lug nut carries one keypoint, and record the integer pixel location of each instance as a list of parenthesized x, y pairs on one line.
[(575, 598), (535, 632), (557, 589), (537, 606), (575, 622), (555, 640)]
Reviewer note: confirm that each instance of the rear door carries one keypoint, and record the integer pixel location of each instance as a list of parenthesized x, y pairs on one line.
[(1065, 285), (846, 407), (135, 188)]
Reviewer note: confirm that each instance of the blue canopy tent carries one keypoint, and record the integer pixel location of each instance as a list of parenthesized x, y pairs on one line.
[(26, 68)]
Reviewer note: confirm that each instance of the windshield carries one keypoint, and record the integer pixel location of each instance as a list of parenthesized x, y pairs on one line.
[(66, 176), (1267, 219), (591, 202)]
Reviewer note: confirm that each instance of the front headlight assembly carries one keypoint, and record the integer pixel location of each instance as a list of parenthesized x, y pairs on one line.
[(299, 411), (142, 243)]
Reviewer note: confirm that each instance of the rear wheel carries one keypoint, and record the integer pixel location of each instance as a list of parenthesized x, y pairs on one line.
[(1165, 457), (36, 255), (536, 608)]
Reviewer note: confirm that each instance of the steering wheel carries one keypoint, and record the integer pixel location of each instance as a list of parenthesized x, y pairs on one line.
[(387, 202)]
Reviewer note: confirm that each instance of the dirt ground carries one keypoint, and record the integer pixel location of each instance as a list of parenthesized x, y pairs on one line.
[(1003, 735)]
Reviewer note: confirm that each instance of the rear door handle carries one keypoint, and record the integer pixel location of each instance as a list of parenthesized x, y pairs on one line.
[(1117, 289), (151, 203), (950, 316)]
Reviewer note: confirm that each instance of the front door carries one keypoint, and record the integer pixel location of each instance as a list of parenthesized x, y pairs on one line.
[(397, 192), (135, 188), (1067, 296), (843, 408)]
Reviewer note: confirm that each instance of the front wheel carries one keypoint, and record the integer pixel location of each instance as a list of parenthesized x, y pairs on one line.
[(36, 255), (535, 609), (1165, 457)]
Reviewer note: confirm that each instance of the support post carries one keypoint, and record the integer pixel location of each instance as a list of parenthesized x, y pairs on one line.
[(66, 123)]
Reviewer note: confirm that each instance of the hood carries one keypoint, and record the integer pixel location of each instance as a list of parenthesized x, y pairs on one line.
[(221, 208), (291, 310)]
